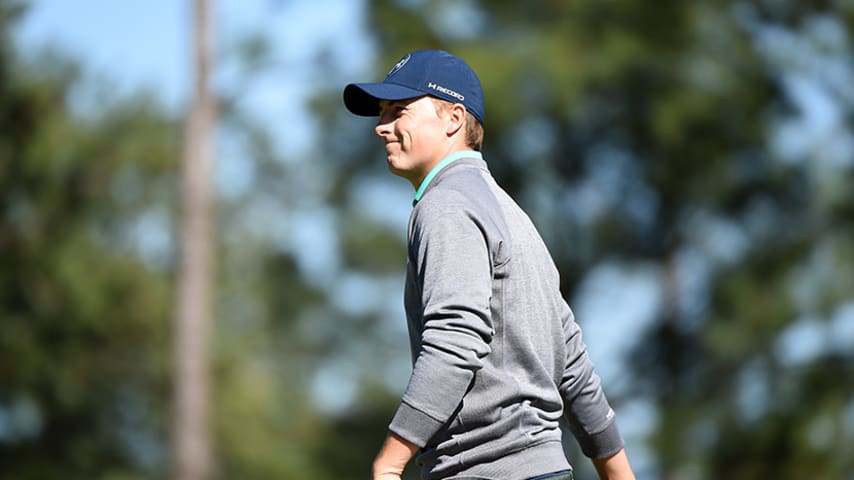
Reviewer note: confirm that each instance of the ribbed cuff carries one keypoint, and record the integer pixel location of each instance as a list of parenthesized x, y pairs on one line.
[(414, 425), (602, 444)]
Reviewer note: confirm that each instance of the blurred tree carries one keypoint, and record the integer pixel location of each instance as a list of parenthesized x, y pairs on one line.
[(85, 282), (194, 315), (89, 194)]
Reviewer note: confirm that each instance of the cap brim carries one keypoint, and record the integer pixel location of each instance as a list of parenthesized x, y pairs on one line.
[(364, 98)]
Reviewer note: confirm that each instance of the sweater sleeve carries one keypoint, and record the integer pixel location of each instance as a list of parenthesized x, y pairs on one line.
[(454, 271), (590, 417)]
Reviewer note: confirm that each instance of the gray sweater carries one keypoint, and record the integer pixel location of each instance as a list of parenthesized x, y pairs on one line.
[(497, 355)]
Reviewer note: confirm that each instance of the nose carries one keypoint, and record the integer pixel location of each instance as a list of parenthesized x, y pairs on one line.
[(383, 127)]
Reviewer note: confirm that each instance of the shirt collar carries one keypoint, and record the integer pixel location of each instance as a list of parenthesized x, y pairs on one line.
[(438, 168)]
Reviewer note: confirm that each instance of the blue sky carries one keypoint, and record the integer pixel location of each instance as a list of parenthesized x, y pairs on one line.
[(146, 46), (139, 46)]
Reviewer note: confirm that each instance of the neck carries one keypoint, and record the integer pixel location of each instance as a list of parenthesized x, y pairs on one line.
[(416, 180), (419, 192)]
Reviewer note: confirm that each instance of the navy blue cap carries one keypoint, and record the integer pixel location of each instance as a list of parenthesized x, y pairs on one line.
[(422, 72)]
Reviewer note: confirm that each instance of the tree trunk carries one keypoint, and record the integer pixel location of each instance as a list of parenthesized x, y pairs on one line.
[(191, 444)]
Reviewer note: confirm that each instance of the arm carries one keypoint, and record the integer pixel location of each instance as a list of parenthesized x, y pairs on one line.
[(615, 467), (393, 457), (590, 417), (452, 263)]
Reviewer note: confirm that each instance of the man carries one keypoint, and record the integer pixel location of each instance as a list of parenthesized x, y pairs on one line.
[(497, 355)]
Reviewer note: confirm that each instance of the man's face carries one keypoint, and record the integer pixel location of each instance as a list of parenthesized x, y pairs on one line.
[(414, 134)]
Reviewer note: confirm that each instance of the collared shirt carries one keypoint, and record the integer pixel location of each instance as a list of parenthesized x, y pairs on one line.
[(438, 168), (497, 358)]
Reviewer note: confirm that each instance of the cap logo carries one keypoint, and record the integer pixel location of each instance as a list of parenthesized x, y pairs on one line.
[(446, 91), (398, 65)]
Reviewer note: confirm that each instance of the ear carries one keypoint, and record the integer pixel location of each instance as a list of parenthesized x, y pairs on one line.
[(456, 119)]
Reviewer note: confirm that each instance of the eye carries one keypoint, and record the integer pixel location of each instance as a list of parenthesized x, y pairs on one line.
[(394, 110)]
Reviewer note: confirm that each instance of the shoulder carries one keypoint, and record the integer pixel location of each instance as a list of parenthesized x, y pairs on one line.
[(440, 208), (459, 204), (463, 188)]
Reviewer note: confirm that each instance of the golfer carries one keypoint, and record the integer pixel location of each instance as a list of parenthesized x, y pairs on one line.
[(497, 355)]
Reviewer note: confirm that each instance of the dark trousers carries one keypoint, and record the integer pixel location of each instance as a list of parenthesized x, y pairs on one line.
[(561, 475)]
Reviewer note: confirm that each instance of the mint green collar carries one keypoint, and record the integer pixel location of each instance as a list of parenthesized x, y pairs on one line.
[(439, 166)]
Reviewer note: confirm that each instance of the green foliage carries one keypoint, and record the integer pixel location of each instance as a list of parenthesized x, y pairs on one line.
[(83, 368), (633, 134)]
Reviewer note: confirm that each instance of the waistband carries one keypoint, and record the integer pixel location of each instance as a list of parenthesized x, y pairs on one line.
[(561, 475)]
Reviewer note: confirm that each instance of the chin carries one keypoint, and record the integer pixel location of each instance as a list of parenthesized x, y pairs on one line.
[(395, 170), (405, 174), (394, 163)]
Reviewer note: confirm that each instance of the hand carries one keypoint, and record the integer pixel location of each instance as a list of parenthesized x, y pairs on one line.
[(393, 457), (615, 467)]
